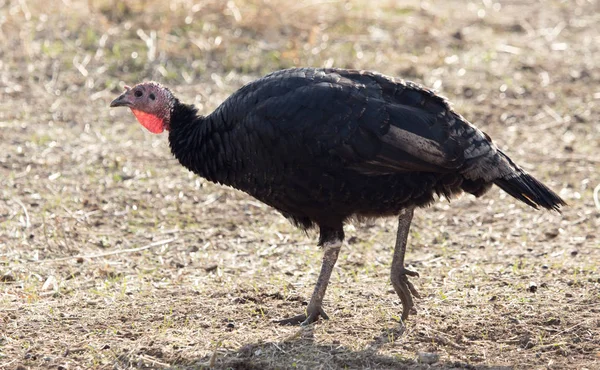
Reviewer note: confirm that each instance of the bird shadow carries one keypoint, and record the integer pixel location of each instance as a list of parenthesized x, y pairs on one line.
[(301, 350)]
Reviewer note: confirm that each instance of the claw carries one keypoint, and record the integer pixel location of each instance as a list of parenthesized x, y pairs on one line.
[(405, 271), (303, 319), (292, 320), (412, 289), (405, 290)]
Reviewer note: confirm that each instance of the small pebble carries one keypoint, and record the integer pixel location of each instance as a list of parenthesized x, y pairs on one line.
[(51, 284), (533, 287), (552, 233), (428, 357), (211, 268), (8, 277)]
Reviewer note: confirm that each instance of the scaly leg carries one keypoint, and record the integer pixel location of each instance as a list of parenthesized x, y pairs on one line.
[(402, 286), (331, 248)]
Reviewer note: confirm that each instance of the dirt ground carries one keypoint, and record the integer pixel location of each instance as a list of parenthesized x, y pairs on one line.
[(113, 256)]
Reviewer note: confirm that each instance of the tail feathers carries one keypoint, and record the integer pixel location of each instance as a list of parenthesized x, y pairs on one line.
[(527, 189)]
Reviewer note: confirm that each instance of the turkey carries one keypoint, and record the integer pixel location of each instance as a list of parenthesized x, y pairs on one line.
[(324, 145)]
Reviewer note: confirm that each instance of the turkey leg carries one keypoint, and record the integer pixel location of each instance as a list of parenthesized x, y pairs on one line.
[(315, 309), (402, 286)]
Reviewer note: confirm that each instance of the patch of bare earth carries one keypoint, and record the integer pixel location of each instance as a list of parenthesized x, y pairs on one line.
[(113, 256)]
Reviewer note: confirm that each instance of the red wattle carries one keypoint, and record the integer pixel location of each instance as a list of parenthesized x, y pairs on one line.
[(151, 122)]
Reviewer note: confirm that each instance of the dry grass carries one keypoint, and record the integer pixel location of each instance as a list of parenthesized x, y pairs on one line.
[(113, 256)]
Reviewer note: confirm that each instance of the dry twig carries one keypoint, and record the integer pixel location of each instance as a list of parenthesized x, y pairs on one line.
[(27, 222), (120, 251)]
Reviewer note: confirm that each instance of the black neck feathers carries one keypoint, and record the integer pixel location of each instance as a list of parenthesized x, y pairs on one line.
[(187, 138)]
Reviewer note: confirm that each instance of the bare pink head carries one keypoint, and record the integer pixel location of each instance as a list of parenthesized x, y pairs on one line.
[(150, 102)]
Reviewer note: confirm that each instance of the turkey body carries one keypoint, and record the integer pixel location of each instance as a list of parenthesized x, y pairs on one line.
[(322, 145)]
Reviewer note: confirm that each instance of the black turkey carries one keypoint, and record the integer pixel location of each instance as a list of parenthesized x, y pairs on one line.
[(323, 145)]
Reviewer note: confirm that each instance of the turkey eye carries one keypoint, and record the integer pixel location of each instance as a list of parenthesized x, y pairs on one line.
[(152, 97), (138, 93)]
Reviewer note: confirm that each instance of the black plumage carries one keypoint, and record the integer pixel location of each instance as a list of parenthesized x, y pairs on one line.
[(323, 145)]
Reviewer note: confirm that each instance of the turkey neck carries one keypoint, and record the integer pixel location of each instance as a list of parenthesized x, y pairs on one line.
[(195, 142)]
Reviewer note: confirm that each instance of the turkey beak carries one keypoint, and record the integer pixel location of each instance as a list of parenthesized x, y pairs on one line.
[(121, 101)]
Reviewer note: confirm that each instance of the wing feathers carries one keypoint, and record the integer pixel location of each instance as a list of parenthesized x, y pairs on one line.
[(428, 150)]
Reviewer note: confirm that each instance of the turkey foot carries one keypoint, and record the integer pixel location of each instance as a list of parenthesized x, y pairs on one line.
[(405, 290), (331, 240), (399, 276), (303, 319)]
